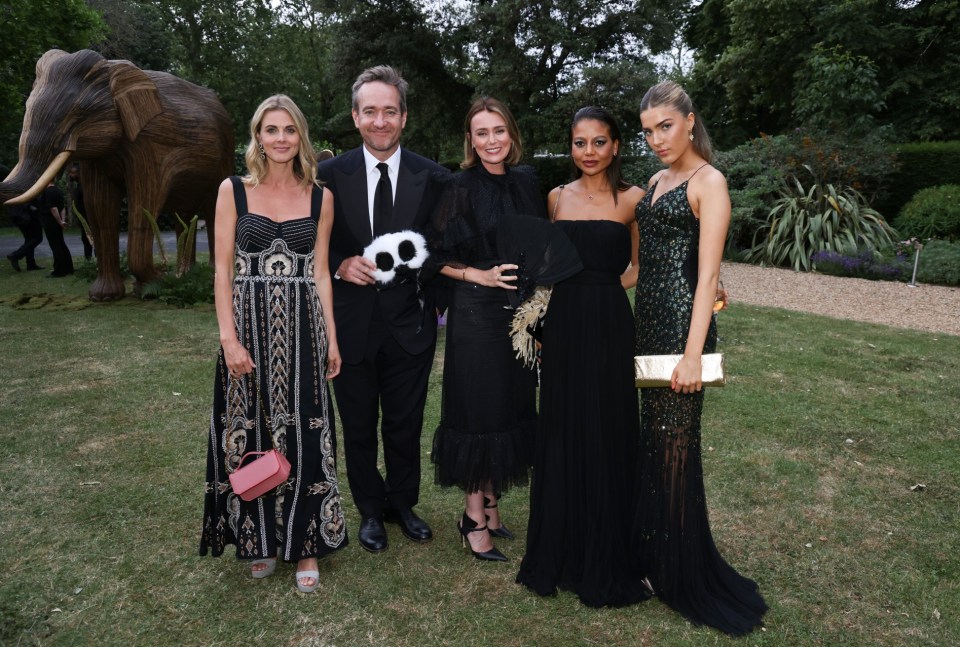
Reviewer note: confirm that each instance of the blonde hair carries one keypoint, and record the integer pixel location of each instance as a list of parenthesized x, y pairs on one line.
[(489, 104), (304, 164), (668, 93)]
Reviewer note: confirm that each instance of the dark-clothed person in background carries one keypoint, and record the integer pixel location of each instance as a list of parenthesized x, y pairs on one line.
[(26, 217), (53, 219), (76, 206)]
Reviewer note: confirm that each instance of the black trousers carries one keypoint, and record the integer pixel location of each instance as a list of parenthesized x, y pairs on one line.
[(32, 236), (62, 259), (392, 381)]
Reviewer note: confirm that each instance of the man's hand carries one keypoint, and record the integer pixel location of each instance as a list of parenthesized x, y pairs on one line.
[(357, 269)]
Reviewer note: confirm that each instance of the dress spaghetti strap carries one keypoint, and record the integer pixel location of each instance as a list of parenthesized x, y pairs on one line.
[(553, 216), (316, 201), (239, 195)]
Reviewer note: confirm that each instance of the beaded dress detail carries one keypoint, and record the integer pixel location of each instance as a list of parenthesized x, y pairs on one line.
[(279, 320), (671, 529)]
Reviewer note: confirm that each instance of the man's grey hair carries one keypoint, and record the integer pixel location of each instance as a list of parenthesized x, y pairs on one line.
[(383, 74)]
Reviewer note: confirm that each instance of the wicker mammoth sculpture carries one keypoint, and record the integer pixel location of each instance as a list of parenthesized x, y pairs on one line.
[(160, 140)]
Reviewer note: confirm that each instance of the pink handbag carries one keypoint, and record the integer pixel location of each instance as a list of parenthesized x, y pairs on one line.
[(259, 477), (263, 474)]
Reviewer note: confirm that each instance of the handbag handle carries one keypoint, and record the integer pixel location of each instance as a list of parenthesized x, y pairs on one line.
[(244, 457), (263, 412)]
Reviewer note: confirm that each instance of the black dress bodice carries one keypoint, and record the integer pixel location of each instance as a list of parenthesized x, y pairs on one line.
[(669, 241)]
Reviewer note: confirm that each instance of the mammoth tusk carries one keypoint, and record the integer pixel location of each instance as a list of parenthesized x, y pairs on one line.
[(44, 180)]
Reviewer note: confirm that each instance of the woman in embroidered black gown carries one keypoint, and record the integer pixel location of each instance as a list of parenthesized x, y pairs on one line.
[(683, 222), (278, 349), (588, 434), (484, 442)]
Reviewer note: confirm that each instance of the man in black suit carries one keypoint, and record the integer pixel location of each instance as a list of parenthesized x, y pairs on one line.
[(386, 334)]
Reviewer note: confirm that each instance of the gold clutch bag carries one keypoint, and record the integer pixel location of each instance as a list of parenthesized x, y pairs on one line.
[(656, 370)]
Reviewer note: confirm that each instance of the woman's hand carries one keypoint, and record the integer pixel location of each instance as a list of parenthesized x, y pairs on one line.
[(494, 277), (333, 360), (687, 376), (237, 358)]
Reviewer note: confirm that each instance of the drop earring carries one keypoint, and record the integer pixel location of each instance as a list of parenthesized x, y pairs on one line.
[(691, 135), (263, 155)]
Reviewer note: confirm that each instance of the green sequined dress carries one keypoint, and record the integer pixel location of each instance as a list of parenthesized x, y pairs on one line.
[(672, 530)]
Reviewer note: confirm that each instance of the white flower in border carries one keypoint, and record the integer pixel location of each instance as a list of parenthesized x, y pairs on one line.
[(278, 264), (394, 250), (240, 266)]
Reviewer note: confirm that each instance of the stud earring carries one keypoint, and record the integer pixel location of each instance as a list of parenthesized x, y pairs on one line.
[(691, 135), (263, 155)]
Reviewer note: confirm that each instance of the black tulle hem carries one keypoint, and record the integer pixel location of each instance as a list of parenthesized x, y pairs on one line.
[(490, 462)]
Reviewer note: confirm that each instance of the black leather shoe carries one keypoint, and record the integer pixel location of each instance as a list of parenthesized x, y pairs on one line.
[(14, 263), (412, 526), (373, 536)]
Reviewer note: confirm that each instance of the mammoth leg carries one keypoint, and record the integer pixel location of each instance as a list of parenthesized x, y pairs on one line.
[(140, 231), (102, 200)]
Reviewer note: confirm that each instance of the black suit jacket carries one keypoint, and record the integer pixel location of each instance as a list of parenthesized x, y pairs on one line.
[(412, 325)]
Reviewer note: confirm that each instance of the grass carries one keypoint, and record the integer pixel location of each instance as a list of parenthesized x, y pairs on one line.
[(811, 456)]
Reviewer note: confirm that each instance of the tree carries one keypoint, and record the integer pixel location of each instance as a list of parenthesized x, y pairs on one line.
[(756, 60), (136, 31), (532, 54), (31, 28)]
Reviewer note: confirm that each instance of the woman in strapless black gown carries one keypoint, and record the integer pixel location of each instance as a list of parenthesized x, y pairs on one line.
[(682, 223), (588, 433)]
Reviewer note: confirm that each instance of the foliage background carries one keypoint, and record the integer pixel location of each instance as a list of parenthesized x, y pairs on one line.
[(753, 67)]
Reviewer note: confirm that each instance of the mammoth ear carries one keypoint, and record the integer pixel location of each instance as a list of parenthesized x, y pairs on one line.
[(135, 96)]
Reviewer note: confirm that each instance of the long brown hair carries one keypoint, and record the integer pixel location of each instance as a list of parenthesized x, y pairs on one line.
[(489, 104), (668, 93)]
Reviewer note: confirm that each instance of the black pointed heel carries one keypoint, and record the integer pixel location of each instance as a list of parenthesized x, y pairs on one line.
[(468, 525), (502, 532)]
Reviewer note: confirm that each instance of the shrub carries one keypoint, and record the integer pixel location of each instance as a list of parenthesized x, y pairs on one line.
[(193, 287), (940, 263), (638, 169), (865, 264), (933, 212), (823, 217), (757, 171), (920, 165)]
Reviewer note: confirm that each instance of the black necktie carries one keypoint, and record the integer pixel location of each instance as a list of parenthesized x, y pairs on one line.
[(382, 202)]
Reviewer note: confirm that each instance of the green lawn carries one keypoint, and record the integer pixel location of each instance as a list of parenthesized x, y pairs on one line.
[(811, 455)]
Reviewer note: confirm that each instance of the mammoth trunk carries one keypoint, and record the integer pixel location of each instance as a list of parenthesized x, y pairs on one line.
[(26, 181)]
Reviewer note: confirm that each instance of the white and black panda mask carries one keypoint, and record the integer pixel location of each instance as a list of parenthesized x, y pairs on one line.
[(403, 251)]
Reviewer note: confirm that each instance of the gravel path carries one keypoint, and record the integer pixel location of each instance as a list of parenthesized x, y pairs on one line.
[(932, 308)]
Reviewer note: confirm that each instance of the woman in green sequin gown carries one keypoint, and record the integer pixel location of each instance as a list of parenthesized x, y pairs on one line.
[(682, 222)]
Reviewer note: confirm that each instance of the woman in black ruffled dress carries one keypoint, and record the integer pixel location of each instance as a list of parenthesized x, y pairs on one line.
[(683, 223), (484, 442)]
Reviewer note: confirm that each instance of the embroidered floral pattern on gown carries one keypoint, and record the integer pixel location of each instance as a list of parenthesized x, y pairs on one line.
[(279, 319)]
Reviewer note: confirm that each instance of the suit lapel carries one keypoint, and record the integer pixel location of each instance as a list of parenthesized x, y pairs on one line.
[(352, 195), (410, 187)]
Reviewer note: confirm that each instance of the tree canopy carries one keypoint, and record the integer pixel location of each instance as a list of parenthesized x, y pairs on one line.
[(759, 66), (770, 65)]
